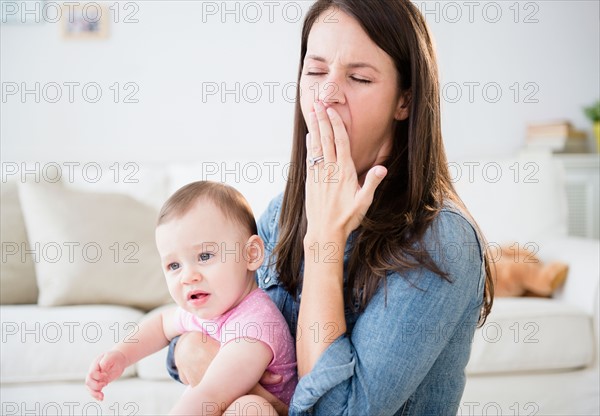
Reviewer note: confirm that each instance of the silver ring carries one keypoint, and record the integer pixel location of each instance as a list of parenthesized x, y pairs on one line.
[(314, 160)]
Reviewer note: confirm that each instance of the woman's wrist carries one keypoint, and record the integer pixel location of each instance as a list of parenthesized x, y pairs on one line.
[(324, 250), (323, 237), (322, 304)]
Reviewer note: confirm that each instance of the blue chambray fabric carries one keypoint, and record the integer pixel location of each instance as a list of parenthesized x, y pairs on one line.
[(406, 353)]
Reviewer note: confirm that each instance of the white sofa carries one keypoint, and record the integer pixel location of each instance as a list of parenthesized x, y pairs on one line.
[(79, 270)]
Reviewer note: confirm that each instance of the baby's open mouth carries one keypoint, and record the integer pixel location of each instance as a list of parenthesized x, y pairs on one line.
[(196, 294)]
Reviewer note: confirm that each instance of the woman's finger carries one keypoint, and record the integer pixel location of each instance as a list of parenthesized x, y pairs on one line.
[(308, 148), (269, 378), (315, 149), (326, 132), (364, 196), (342, 142), (183, 378)]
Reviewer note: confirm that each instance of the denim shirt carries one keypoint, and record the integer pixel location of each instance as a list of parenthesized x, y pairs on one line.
[(405, 354)]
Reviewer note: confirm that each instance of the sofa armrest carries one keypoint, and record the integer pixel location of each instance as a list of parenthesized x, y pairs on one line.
[(581, 254)]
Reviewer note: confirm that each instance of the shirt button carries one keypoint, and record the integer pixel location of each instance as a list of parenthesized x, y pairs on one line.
[(267, 279)]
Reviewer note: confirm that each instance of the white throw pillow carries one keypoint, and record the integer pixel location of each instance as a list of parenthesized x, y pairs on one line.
[(60, 343), (532, 334), (17, 272), (92, 248)]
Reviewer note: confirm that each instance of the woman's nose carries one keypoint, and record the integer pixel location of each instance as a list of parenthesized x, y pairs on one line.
[(332, 90)]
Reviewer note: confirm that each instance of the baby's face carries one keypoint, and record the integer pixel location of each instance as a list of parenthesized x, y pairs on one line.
[(206, 261)]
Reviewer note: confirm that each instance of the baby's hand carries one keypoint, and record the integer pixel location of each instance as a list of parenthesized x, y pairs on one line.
[(106, 368)]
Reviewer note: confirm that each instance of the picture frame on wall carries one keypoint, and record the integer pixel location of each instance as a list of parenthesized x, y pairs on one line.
[(81, 21)]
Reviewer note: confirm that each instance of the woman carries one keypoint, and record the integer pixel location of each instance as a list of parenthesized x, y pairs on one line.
[(373, 259)]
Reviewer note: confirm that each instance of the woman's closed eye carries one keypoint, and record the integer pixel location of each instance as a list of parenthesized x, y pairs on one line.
[(361, 80), (352, 77)]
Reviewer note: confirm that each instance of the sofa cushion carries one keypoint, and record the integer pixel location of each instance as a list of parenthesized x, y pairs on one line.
[(60, 343), (581, 254), (126, 396), (532, 334), (521, 199), (92, 248), (145, 182), (154, 366), (17, 272)]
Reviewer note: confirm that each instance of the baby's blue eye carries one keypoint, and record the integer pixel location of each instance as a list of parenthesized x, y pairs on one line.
[(205, 256), (173, 266)]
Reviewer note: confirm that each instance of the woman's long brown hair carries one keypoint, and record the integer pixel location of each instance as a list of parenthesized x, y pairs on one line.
[(412, 194)]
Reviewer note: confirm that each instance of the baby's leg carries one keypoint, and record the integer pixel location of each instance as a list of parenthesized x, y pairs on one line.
[(250, 405)]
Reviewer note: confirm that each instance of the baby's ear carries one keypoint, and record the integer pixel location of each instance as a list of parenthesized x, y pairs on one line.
[(254, 252)]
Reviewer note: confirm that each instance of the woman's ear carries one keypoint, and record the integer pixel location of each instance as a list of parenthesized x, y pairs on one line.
[(254, 253), (403, 106)]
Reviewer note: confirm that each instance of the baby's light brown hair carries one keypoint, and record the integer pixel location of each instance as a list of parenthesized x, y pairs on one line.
[(226, 198)]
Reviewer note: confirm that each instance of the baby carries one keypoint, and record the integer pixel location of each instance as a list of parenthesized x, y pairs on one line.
[(209, 248)]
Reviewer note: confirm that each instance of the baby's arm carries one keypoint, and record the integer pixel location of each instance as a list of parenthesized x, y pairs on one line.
[(234, 371), (153, 335)]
